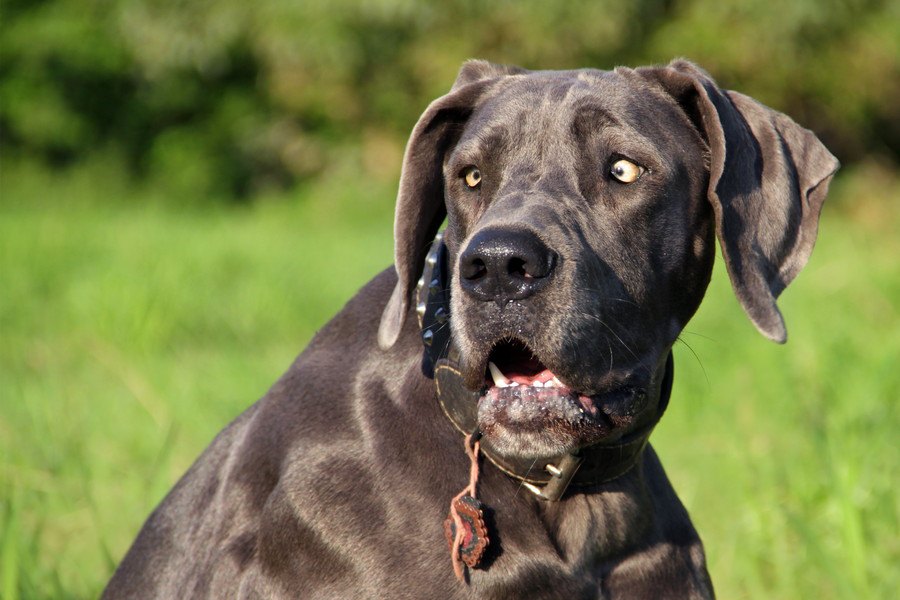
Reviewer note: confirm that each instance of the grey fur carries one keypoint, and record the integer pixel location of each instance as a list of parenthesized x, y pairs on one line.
[(335, 484)]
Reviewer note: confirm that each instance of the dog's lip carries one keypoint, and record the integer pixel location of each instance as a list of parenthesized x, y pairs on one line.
[(543, 385), (526, 370), (615, 403)]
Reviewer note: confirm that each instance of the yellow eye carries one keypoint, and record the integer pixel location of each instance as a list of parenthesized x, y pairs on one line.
[(626, 171), (473, 177)]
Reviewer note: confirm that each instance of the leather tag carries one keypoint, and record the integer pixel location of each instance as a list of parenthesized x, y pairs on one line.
[(475, 537)]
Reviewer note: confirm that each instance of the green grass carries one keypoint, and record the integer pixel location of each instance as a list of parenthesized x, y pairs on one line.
[(132, 331)]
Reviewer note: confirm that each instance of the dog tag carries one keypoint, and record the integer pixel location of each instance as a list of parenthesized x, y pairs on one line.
[(475, 538)]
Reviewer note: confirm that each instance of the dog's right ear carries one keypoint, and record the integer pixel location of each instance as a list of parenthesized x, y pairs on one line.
[(420, 199)]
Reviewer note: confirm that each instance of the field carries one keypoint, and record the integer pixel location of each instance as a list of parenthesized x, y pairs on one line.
[(131, 331)]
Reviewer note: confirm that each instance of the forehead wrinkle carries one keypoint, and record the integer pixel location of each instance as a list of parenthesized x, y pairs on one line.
[(483, 142), (529, 125), (545, 151), (590, 113)]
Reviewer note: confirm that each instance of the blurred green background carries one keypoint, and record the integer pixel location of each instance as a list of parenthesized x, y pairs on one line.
[(188, 190)]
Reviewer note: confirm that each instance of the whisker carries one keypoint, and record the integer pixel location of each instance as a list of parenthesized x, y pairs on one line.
[(602, 322), (434, 302), (706, 337), (447, 324), (599, 292), (446, 344), (696, 356), (526, 475)]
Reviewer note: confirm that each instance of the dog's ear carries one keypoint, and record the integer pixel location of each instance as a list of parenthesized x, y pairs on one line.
[(768, 178), (420, 199)]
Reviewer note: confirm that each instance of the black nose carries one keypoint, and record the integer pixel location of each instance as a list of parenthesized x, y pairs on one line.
[(503, 265)]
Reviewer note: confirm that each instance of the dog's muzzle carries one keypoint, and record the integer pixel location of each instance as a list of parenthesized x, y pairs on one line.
[(547, 477)]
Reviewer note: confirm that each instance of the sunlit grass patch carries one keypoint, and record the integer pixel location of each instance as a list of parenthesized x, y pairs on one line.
[(130, 333)]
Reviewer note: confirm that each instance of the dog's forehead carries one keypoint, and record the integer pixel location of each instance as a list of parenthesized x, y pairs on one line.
[(560, 94), (529, 107)]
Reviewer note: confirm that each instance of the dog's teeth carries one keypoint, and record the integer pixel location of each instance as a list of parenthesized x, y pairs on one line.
[(514, 384), (549, 384), (500, 380), (537, 384), (555, 381)]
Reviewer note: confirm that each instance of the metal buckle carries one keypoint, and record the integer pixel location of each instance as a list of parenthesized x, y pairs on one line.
[(561, 476)]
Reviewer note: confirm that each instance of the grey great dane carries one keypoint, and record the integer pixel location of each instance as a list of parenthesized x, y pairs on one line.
[(582, 210)]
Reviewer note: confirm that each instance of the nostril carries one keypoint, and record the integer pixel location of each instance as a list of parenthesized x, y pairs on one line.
[(530, 268), (474, 269), (516, 268)]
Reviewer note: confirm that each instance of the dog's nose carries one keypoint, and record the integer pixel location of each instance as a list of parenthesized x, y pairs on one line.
[(503, 265)]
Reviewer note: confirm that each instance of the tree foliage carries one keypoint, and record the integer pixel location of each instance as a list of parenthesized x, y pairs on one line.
[(225, 98)]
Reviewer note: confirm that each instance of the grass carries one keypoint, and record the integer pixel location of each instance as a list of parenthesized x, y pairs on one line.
[(132, 331)]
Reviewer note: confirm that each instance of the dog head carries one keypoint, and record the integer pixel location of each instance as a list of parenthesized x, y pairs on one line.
[(582, 210)]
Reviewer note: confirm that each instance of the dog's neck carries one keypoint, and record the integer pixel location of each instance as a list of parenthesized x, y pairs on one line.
[(547, 477)]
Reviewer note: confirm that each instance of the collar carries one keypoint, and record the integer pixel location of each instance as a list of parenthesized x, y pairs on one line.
[(547, 477)]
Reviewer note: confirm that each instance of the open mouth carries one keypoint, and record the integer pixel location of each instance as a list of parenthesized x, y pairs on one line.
[(515, 374), (525, 409)]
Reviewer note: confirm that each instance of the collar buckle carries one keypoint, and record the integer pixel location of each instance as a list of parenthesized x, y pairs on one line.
[(560, 477)]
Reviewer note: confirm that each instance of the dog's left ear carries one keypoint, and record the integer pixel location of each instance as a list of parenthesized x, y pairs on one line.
[(420, 200), (768, 178)]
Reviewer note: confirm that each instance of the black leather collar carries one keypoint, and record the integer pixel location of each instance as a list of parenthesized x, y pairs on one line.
[(547, 477)]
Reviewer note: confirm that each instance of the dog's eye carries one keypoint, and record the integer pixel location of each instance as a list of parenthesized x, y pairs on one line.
[(626, 171), (472, 176)]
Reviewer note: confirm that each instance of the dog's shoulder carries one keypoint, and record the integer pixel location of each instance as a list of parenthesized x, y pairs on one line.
[(272, 471)]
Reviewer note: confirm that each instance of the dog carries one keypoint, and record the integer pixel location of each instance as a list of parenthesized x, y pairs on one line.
[(494, 445)]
